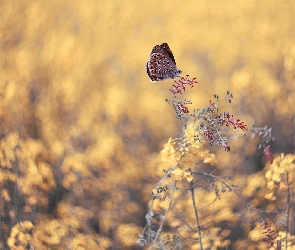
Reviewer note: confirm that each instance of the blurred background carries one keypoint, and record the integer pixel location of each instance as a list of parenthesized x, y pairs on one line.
[(82, 126)]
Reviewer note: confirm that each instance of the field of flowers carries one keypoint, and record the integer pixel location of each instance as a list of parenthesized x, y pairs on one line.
[(84, 134)]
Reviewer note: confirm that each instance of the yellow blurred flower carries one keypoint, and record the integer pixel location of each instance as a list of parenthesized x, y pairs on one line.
[(178, 174), (128, 234), (272, 185), (5, 194), (208, 158), (169, 152), (283, 186), (188, 176), (270, 196)]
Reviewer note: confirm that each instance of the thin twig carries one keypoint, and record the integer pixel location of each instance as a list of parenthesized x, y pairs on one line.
[(164, 217), (231, 189), (293, 150), (222, 181), (196, 216), (148, 225), (208, 204), (288, 211), (167, 175)]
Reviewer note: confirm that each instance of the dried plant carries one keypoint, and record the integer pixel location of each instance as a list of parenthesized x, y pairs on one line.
[(189, 182)]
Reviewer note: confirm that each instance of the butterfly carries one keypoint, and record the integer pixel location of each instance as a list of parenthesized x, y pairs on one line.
[(162, 65)]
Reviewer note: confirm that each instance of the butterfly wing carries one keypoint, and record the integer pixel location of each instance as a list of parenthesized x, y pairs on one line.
[(156, 49), (161, 64), (154, 69), (165, 47), (152, 77)]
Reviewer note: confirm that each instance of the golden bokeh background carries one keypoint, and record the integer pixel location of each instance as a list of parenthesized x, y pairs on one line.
[(82, 126)]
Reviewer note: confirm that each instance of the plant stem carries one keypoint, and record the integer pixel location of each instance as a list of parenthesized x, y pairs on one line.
[(164, 217), (288, 211), (196, 215), (293, 136)]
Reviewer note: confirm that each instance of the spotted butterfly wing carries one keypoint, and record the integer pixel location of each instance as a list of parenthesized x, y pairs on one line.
[(162, 65), (165, 47)]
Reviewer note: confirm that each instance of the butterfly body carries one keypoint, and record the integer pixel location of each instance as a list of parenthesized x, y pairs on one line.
[(162, 65)]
